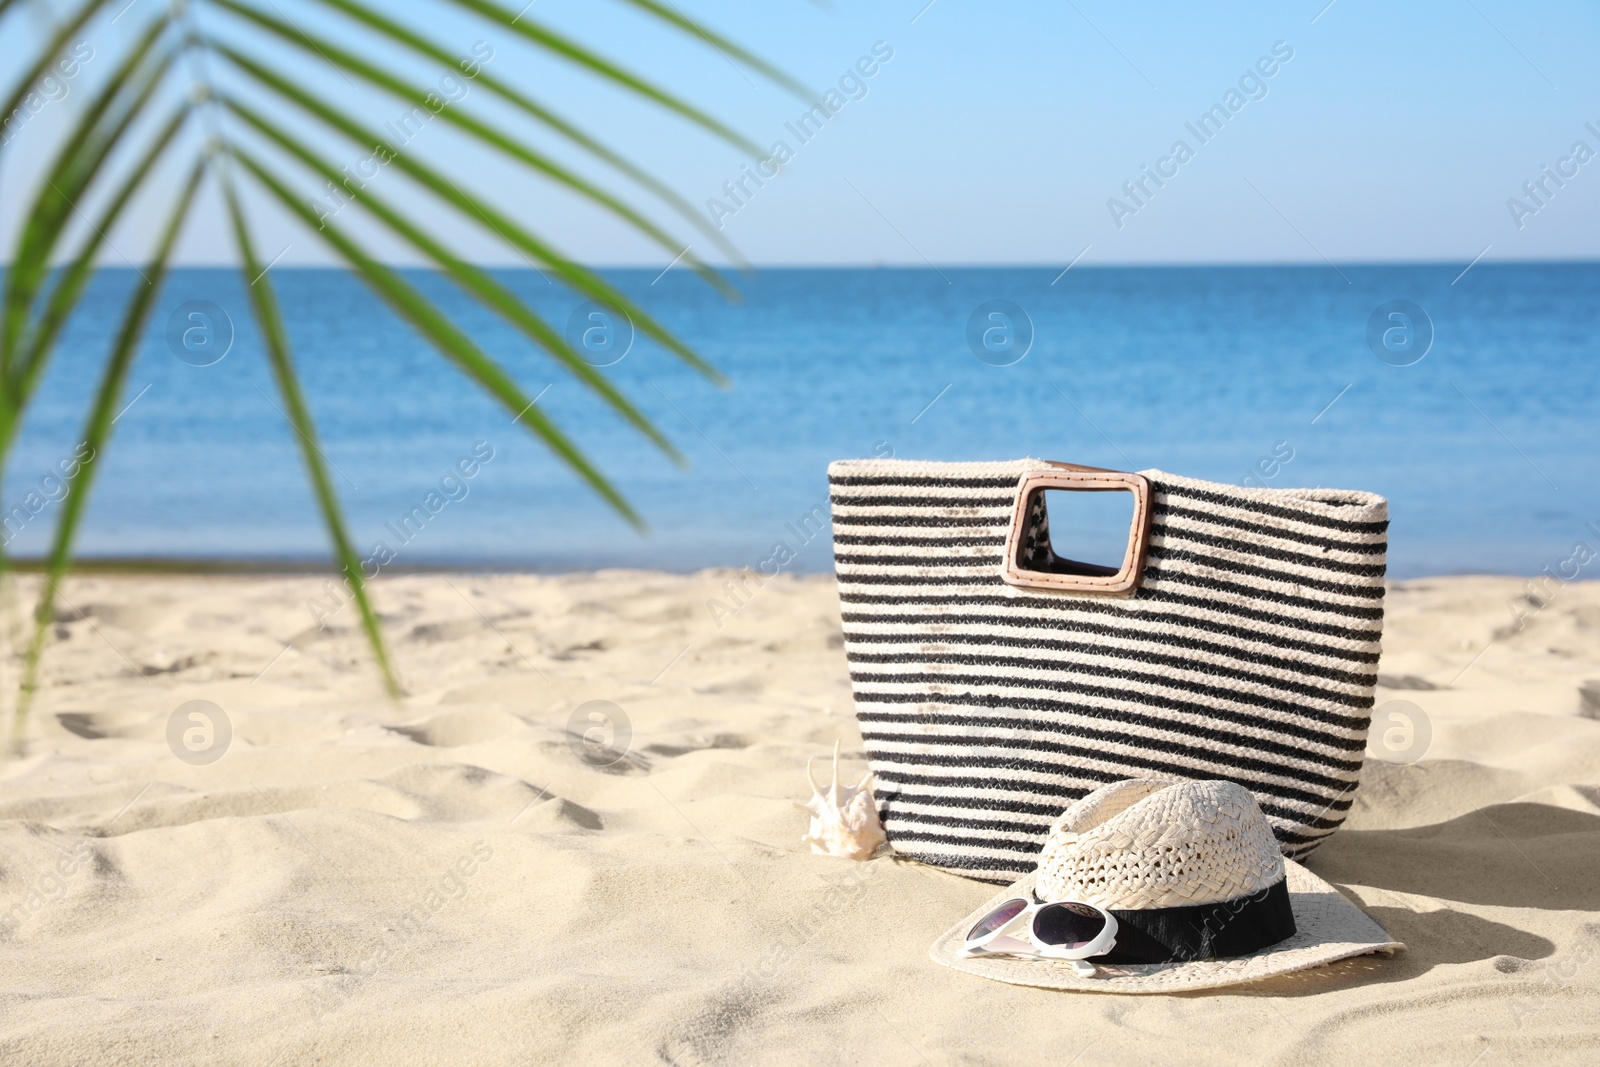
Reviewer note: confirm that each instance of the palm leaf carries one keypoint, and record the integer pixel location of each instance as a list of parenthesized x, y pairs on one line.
[(571, 274), (275, 338), (476, 282), (96, 432), (49, 53), (573, 52), (448, 338), (484, 133), (69, 288), (523, 102), (672, 16), (36, 304), (74, 168)]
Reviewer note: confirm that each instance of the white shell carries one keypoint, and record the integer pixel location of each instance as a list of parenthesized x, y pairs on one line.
[(844, 820)]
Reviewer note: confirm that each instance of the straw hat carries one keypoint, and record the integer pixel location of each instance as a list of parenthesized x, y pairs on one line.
[(1191, 873)]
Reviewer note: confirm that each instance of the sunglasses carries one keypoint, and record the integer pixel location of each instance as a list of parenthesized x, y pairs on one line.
[(1064, 930)]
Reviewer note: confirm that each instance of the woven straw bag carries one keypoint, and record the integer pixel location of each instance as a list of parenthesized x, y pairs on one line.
[(995, 682)]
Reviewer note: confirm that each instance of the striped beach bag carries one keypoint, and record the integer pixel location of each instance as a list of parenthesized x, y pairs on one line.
[(996, 681)]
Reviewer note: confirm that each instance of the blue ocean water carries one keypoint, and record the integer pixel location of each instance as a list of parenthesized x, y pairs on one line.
[(1486, 446)]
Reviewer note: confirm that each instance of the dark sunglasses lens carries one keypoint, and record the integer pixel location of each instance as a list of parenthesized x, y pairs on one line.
[(1068, 925), (997, 918)]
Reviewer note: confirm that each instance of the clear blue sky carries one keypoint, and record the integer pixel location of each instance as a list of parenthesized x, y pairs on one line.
[(998, 132)]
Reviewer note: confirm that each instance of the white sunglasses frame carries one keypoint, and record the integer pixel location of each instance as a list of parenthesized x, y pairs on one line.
[(1033, 948)]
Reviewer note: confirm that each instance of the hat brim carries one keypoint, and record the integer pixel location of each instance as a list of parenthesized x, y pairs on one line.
[(1327, 928)]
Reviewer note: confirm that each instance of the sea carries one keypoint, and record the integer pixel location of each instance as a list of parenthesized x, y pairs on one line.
[(1469, 400)]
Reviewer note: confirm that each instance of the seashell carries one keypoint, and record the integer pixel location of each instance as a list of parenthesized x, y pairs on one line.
[(844, 820)]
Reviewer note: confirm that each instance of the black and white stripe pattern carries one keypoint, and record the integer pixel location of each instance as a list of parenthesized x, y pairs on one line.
[(1249, 653)]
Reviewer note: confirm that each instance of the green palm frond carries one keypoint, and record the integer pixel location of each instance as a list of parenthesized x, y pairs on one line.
[(475, 281), (96, 432), (555, 43), (121, 139), (69, 287), (475, 209), (75, 167), (275, 338), (543, 115), (65, 32), (482, 131)]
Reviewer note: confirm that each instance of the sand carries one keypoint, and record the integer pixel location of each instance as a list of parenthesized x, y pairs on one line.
[(447, 881)]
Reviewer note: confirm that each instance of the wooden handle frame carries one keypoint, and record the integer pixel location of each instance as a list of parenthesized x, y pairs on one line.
[(1071, 478)]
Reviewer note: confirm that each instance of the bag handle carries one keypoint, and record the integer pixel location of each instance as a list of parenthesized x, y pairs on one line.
[(1067, 575)]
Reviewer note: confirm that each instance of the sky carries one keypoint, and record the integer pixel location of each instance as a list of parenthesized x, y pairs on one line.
[(985, 134)]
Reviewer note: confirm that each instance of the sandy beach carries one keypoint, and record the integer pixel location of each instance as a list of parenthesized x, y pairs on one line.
[(446, 880)]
